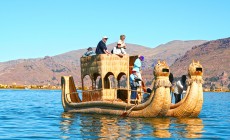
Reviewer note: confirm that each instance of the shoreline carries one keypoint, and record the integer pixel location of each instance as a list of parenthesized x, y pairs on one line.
[(60, 89), (26, 89)]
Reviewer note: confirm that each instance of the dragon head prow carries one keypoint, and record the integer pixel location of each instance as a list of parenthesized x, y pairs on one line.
[(195, 72), (195, 69), (161, 69)]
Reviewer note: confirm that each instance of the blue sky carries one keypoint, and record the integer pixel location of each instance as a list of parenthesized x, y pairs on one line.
[(36, 28)]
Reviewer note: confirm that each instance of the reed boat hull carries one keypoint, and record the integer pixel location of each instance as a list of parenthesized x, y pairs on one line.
[(107, 100), (153, 107)]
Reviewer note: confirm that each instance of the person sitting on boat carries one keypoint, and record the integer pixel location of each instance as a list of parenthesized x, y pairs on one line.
[(146, 95), (89, 52), (122, 42), (101, 46), (118, 50), (180, 88), (137, 65), (134, 84)]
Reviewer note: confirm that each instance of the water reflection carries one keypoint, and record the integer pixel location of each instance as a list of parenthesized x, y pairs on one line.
[(160, 127), (110, 127), (66, 122), (193, 127), (180, 127), (113, 127)]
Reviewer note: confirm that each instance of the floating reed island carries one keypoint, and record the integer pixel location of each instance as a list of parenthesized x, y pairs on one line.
[(109, 96)]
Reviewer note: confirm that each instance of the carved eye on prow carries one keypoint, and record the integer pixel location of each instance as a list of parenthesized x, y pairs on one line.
[(199, 69), (165, 70)]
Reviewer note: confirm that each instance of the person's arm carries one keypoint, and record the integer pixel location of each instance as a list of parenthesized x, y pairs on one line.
[(124, 45), (123, 51), (91, 53), (105, 49), (85, 54), (184, 92), (106, 52), (137, 79), (179, 85)]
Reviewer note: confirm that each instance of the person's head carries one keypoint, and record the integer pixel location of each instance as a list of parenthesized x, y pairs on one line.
[(171, 78), (122, 37), (149, 90), (134, 70), (118, 44), (141, 58), (183, 78), (90, 49), (104, 38)]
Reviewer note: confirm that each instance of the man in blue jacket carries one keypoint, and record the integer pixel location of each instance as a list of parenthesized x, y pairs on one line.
[(137, 65), (101, 46)]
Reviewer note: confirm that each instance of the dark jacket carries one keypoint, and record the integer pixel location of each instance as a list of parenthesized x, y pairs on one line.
[(101, 46)]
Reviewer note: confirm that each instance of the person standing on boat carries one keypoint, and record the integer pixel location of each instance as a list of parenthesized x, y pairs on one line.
[(101, 46), (180, 88), (89, 52), (134, 84), (171, 79), (137, 65)]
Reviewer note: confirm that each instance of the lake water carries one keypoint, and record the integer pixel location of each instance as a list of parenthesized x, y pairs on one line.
[(38, 114)]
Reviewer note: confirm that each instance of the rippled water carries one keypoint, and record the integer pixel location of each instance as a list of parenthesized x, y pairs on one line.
[(38, 114)]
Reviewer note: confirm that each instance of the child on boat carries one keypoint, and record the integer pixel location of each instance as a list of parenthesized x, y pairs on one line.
[(134, 84)]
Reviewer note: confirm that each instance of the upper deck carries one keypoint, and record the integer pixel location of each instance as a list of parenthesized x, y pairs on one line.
[(103, 64)]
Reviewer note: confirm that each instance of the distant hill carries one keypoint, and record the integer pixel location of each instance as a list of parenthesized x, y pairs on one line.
[(215, 58), (48, 70)]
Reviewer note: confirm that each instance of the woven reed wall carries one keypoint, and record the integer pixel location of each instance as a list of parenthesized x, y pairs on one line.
[(102, 65), (91, 95)]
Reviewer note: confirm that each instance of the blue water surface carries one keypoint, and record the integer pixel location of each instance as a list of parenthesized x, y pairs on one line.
[(38, 114)]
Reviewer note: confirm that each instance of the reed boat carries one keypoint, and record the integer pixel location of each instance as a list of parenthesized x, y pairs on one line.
[(191, 104), (105, 98)]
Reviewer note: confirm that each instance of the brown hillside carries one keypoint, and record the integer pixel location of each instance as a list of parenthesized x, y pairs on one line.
[(48, 70), (213, 55)]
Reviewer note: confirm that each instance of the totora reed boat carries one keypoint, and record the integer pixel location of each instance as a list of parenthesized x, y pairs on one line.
[(110, 92)]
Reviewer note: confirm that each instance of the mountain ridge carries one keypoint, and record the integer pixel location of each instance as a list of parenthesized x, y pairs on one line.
[(214, 56), (49, 69)]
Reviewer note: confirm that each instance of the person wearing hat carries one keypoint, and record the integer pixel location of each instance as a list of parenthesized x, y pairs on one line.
[(137, 65), (118, 50), (89, 52), (134, 84), (101, 46)]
